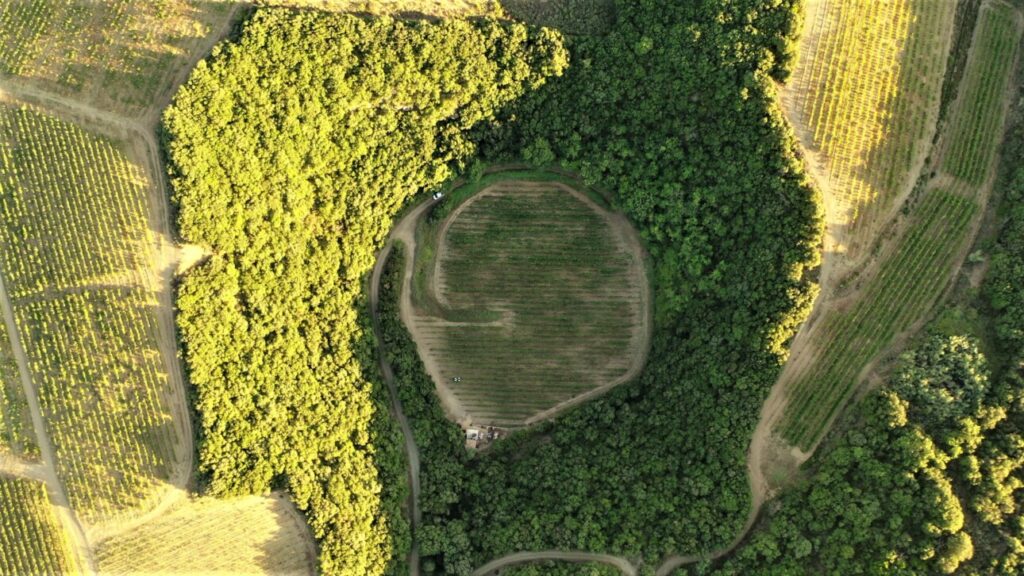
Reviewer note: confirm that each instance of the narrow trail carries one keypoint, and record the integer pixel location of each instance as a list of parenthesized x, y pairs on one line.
[(58, 495), (14, 466), (403, 231), (525, 557)]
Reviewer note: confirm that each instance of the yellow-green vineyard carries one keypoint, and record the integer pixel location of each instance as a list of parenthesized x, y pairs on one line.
[(864, 98), (922, 249), (16, 434), (75, 256), (118, 52), (32, 540)]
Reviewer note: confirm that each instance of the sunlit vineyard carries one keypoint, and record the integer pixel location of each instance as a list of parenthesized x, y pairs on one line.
[(94, 235), (865, 96), (75, 252), (907, 284), (915, 268), (16, 434), (32, 540), (971, 153), (118, 51), (250, 535)]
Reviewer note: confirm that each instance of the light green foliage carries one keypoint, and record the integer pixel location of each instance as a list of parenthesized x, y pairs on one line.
[(32, 540), (291, 151), (550, 299), (75, 249), (983, 94)]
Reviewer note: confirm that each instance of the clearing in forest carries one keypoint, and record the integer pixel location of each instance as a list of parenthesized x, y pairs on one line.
[(31, 538), (895, 293), (527, 297), (76, 255), (248, 535)]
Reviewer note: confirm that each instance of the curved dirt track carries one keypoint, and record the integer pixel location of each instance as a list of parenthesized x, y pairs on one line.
[(403, 231), (526, 557)]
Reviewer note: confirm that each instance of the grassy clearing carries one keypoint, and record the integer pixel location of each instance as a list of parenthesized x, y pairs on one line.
[(980, 115), (538, 300), (32, 540), (117, 52), (16, 434), (250, 535), (75, 252), (865, 94)]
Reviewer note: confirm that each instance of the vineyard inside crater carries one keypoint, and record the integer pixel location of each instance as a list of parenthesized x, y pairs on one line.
[(75, 256), (541, 296)]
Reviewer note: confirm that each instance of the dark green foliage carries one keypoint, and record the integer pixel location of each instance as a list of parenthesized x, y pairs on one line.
[(674, 112), (443, 456), (882, 500), (290, 152)]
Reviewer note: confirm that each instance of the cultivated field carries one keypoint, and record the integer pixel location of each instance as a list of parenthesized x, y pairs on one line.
[(250, 535), (16, 434), (864, 99), (31, 538), (115, 53), (896, 292), (970, 151), (76, 259), (541, 296)]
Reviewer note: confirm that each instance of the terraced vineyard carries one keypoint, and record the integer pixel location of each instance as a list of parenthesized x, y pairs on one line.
[(16, 434), (542, 300), (971, 153), (907, 285), (865, 97), (74, 251), (32, 540), (915, 266), (118, 52), (250, 535)]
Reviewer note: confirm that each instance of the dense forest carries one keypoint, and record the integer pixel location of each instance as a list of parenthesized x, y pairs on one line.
[(674, 112), (290, 151), (926, 476)]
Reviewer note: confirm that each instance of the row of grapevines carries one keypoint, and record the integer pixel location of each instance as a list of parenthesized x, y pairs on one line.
[(16, 433), (74, 244), (972, 142), (70, 200), (865, 90), (906, 286), (118, 51), (31, 538)]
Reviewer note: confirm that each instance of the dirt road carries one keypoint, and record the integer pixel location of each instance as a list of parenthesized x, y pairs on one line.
[(402, 231), (525, 557), (58, 496)]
